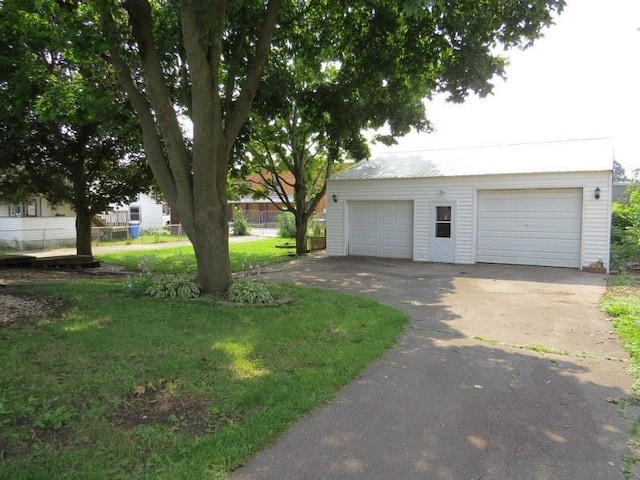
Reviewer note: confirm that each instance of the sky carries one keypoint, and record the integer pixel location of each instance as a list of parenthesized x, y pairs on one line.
[(581, 80)]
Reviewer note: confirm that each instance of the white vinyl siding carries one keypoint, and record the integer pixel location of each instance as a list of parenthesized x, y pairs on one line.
[(381, 229), (530, 227), (37, 232), (464, 191)]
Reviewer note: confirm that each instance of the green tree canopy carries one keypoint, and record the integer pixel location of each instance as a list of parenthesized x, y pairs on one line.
[(337, 71), (66, 131), (206, 59)]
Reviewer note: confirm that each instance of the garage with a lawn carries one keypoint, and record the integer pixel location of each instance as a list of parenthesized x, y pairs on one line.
[(544, 204)]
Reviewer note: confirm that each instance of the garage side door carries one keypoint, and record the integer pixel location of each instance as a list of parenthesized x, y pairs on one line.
[(531, 227), (381, 229)]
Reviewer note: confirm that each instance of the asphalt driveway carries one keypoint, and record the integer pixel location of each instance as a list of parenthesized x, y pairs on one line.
[(504, 373)]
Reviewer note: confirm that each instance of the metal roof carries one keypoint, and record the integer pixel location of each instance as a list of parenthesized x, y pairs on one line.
[(562, 156)]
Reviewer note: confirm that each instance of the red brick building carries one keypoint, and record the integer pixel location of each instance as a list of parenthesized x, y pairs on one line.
[(265, 210)]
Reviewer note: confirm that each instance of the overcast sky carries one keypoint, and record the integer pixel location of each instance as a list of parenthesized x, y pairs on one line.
[(582, 80)]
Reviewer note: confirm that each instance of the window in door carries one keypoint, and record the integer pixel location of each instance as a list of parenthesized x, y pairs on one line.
[(443, 222)]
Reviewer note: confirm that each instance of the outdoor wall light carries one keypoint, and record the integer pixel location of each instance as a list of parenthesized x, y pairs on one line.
[(335, 198), (596, 193)]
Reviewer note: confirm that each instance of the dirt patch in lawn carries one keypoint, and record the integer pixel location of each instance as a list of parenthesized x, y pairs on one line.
[(17, 305), (161, 404), (20, 306)]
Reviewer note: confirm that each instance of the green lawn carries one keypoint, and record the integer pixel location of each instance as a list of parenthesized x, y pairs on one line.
[(142, 240), (125, 387), (622, 302), (243, 256)]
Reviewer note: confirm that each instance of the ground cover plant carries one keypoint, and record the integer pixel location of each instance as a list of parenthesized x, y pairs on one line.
[(135, 387), (243, 256), (622, 303)]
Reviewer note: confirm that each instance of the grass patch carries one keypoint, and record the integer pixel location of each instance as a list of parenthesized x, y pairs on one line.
[(144, 239), (534, 348), (6, 250), (622, 303), (181, 260), (126, 387)]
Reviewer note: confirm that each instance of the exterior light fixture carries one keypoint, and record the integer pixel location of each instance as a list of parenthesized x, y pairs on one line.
[(596, 193), (335, 198)]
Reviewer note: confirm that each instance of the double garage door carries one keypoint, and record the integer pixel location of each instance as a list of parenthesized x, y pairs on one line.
[(530, 227), (381, 229), (521, 227)]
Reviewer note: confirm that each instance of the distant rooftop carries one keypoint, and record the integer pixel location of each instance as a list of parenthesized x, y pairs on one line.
[(561, 156)]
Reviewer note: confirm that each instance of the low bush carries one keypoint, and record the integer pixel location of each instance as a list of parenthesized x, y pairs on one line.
[(625, 231), (173, 287), (249, 291), (316, 227), (136, 286), (155, 232), (286, 225), (240, 224)]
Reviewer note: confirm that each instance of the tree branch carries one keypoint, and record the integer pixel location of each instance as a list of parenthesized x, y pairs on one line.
[(156, 89), (152, 142), (238, 115)]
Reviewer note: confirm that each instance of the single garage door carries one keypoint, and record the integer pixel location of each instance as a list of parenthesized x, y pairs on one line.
[(381, 229), (530, 227)]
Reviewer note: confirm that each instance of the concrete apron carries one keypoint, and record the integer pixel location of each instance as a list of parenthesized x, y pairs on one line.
[(464, 395)]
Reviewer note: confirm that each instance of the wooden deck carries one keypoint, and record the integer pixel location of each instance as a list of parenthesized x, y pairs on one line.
[(61, 261)]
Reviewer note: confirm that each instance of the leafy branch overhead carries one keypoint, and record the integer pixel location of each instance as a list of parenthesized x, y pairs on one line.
[(336, 72), (66, 130), (250, 74)]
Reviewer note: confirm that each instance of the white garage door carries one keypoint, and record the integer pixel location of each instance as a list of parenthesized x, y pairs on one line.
[(381, 229), (530, 227)]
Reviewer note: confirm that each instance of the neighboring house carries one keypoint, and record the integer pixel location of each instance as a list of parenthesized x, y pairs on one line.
[(533, 204), (265, 210), (146, 210), (36, 224)]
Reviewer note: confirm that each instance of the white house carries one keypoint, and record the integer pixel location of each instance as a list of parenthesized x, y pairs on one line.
[(36, 224), (546, 204), (151, 213)]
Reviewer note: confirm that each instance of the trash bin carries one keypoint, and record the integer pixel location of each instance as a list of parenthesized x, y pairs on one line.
[(134, 229)]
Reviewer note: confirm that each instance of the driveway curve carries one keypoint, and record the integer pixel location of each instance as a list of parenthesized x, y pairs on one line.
[(503, 373)]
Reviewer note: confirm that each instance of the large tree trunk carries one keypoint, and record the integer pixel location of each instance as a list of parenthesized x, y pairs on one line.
[(211, 245), (83, 231), (210, 232), (195, 183), (301, 232)]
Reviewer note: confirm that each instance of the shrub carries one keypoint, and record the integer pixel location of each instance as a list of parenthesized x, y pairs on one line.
[(173, 287), (240, 224), (137, 286), (248, 291), (286, 225), (316, 227), (624, 252), (155, 232), (625, 231)]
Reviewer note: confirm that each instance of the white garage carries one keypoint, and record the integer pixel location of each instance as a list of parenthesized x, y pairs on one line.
[(530, 227), (545, 204), (381, 229)]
